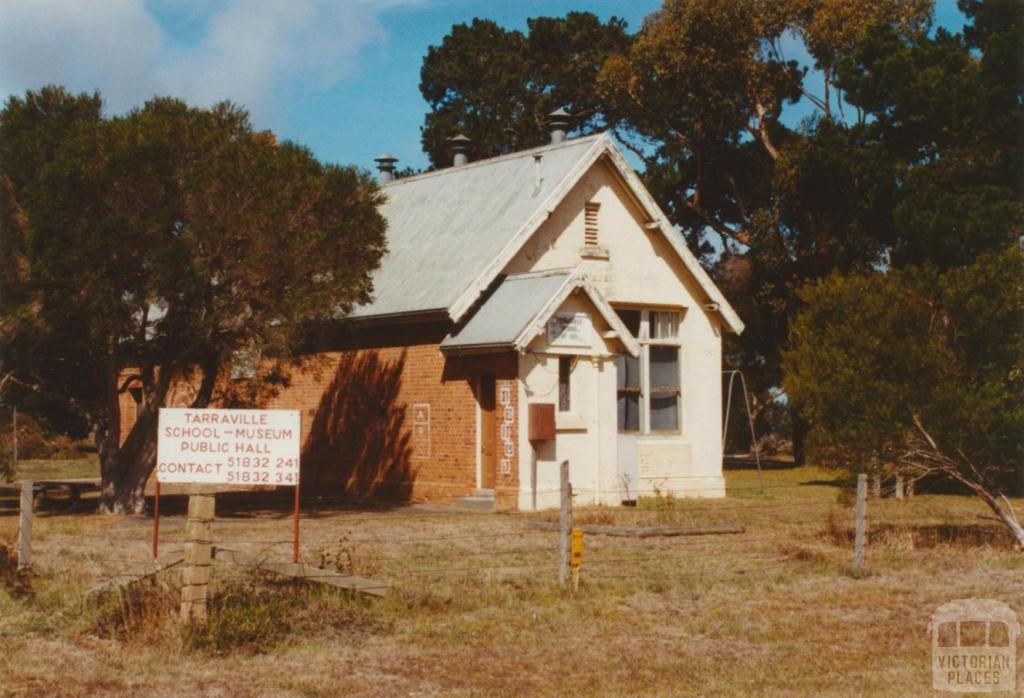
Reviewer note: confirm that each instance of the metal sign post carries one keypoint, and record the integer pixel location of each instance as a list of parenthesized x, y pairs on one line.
[(295, 532), (156, 520)]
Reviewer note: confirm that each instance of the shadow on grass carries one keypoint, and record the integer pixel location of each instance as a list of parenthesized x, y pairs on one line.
[(750, 463), (918, 537)]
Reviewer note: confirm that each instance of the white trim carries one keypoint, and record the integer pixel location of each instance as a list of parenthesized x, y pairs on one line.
[(479, 435), (468, 297), (674, 239), (603, 146), (573, 282)]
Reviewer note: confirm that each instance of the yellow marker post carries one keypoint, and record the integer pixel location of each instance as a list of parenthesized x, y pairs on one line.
[(577, 557)]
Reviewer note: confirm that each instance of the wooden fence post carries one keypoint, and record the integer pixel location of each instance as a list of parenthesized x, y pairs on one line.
[(195, 577), (862, 503), (564, 525), (25, 526), (899, 486), (876, 485)]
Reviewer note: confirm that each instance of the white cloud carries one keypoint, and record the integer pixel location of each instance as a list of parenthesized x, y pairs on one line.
[(254, 53), (110, 45)]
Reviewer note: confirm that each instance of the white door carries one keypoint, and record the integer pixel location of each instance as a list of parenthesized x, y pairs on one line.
[(629, 401)]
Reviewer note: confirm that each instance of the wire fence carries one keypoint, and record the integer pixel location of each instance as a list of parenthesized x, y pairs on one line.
[(408, 546)]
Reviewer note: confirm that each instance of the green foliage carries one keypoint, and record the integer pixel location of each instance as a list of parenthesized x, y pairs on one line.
[(870, 353), (498, 86), (947, 110), (174, 241), (912, 155)]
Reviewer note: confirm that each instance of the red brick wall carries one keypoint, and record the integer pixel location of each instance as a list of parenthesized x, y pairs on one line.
[(359, 398)]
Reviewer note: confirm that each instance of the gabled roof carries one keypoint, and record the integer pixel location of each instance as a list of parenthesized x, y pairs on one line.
[(445, 227), (521, 306), (452, 232)]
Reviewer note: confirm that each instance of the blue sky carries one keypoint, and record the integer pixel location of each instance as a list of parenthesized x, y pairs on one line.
[(340, 76)]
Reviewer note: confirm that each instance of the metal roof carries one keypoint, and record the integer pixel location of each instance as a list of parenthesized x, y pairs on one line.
[(512, 306), (446, 227), (452, 232), (521, 306)]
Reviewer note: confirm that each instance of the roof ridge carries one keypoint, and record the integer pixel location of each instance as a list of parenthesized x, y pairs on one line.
[(547, 147)]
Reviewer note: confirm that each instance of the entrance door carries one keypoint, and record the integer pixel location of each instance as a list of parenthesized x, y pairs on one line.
[(488, 433), (629, 396)]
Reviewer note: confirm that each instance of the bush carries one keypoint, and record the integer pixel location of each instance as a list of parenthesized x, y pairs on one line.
[(34, 442)]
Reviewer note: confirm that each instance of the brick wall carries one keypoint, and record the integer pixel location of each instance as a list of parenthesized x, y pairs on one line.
[(385, 415)]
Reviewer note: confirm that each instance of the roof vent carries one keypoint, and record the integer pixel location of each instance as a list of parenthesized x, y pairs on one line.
[(459, 148), (386, 167), (558, 122)]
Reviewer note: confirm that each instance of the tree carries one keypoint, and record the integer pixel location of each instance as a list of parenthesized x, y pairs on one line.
[(920, 369), (948, 111), (161, 249), (699, 94), (498, 86)]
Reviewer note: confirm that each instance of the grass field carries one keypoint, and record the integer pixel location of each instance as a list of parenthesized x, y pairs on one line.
[(58, 469), (475, 608)]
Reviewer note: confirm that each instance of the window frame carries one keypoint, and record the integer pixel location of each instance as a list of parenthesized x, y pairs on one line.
[(646, 341), (565, 367)]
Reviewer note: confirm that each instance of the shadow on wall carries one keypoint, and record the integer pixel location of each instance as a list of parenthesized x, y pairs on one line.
[(357, 446)]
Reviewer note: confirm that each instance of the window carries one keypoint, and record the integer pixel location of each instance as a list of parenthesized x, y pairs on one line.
[(564, 385), (590, 230), (664, 363), (649, 386), (664, 325)]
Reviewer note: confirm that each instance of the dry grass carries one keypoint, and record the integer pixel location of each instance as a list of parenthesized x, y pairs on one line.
[(476, 609)]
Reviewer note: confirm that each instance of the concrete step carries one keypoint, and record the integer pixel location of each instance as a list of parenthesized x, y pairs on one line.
[(475, 503), (483, 492)]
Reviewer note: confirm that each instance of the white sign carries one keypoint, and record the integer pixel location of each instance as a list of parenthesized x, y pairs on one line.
[(569, 330), (236, 447)]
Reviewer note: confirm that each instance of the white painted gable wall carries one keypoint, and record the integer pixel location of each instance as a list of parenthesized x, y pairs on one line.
[(643, 271)]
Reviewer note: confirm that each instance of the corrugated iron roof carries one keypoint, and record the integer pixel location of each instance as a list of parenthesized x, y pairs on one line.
[(513, 305), (451, 232), (520, 307), (446, 227)]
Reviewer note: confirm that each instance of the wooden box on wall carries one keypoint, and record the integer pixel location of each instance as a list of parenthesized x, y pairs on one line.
[(542, 421)]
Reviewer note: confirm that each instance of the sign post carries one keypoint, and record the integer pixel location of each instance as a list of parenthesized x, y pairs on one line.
[(156, 521)]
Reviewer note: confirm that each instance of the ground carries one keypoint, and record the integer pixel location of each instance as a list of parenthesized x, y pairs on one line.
[(475, 607)]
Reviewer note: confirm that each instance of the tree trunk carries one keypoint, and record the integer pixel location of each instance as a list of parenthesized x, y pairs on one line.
[(136, 460), (125, 469), (1005, 513), (799, 434)]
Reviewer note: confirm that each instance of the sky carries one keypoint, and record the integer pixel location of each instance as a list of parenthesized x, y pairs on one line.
[(339, 76)]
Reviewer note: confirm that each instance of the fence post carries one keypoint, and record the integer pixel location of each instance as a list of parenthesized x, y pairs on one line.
[(195, 577), (564, 525), (899, 486), (25, 526), (862, 504), (876, 485)]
